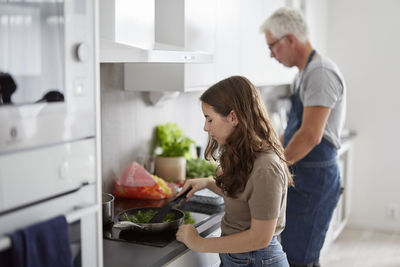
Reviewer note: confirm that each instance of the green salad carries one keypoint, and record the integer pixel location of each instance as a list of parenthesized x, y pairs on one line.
[(146, 217), (188, 218)]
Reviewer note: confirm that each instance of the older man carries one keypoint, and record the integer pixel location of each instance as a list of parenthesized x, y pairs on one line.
[(312, 136)]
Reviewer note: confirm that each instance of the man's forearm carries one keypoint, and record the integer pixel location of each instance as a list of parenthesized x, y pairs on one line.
[(300, 145)]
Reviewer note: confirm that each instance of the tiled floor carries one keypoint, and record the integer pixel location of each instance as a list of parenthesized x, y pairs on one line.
[(362, 248)]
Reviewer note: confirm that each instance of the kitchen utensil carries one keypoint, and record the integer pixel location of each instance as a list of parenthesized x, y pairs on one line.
[(206, 196), (167, 207), (108, 208), (124, 225), (149, 227)]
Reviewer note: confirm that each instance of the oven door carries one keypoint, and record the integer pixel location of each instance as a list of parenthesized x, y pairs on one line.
[(82, 215)]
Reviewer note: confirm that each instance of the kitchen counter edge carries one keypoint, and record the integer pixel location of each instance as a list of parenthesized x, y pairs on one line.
[(124, 254)]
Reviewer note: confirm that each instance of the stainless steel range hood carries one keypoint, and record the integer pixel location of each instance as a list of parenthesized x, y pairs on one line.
[(145, 31)]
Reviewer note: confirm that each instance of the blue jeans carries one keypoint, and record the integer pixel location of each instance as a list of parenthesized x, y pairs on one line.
[(272, 256)]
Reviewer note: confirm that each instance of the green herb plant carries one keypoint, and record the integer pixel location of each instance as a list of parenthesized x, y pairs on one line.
[(198, 167), (172, 141)]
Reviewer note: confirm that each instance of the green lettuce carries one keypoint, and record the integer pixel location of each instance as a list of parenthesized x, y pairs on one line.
[(172, 141)]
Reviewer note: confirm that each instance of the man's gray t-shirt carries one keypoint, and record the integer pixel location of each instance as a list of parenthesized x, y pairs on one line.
[(323, 85)]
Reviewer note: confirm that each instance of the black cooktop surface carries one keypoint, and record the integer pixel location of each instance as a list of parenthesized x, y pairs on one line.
[(150, 239)]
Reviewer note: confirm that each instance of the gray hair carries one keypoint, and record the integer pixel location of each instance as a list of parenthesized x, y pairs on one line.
[(286, 21)]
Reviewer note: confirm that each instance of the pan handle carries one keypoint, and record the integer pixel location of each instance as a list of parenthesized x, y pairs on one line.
[(125, 225)]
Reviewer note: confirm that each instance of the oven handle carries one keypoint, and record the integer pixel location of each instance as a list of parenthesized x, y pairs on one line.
[(46, 199), (78, 213)]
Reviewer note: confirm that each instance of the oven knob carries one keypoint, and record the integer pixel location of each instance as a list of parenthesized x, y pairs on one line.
[(82, 52)]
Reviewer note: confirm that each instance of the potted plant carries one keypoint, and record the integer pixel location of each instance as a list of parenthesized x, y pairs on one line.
[(175, 149)]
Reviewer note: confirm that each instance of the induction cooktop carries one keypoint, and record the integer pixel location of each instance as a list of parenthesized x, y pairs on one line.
[(150, 239)]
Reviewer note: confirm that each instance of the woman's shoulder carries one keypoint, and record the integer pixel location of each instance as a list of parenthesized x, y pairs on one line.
[(266, 156), (268, 160), (268, 168)]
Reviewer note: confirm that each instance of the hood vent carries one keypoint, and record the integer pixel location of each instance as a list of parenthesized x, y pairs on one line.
[(145, 31)]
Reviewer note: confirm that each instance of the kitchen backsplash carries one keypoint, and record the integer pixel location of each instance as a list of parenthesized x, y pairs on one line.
[(128, 122)]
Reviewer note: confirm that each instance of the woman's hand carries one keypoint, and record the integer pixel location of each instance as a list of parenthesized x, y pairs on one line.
[(189, 236), (195, 185)]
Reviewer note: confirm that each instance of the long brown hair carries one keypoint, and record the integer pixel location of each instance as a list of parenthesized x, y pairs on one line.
[(254, 133)]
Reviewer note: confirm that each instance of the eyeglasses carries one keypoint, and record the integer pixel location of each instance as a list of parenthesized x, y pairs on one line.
[(271, 45)]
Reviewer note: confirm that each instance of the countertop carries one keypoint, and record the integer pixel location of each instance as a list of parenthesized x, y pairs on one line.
[(124, 254)]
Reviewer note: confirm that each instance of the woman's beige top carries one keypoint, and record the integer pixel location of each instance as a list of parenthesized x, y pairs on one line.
[(264, 197)]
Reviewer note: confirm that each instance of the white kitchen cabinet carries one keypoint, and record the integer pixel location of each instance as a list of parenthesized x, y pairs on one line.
[(227, 41), (240, 47), (200, 36), (197, 259), (342, 210)]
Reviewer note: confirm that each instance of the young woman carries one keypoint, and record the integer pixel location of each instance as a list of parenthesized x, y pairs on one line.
[(253, 179)]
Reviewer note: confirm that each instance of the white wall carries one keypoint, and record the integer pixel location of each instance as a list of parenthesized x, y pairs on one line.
[(363, 39), (316, 15)]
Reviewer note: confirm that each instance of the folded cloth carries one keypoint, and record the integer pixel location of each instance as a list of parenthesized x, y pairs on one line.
[(18, 249), (45, 244), (6, 257), (15, 255)]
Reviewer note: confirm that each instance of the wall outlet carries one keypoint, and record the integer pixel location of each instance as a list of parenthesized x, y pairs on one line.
[(392, 212)]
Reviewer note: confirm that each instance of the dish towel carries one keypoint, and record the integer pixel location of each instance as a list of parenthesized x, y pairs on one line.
[(45, 244)]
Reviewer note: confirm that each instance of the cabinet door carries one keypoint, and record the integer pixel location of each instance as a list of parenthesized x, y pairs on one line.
[(199, 36), (228, 41), (197, 259), (256, 63), (240, 47)]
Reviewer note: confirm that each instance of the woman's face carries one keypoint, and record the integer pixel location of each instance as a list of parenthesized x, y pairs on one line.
[(218, 127)]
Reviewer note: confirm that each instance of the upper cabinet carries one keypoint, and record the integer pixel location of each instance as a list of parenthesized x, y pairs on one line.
[(240, 47), (200, 35)]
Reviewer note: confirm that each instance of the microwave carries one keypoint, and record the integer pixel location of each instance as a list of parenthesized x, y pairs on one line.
[(47, 73)]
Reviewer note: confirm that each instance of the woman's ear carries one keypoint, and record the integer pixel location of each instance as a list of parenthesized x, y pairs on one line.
[(234, 118)]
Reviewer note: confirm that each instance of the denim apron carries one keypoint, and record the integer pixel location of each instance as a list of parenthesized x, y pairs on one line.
[(271, 256), (310, 203)]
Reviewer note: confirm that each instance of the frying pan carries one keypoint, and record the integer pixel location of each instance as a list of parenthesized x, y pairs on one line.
[(121, 223)]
